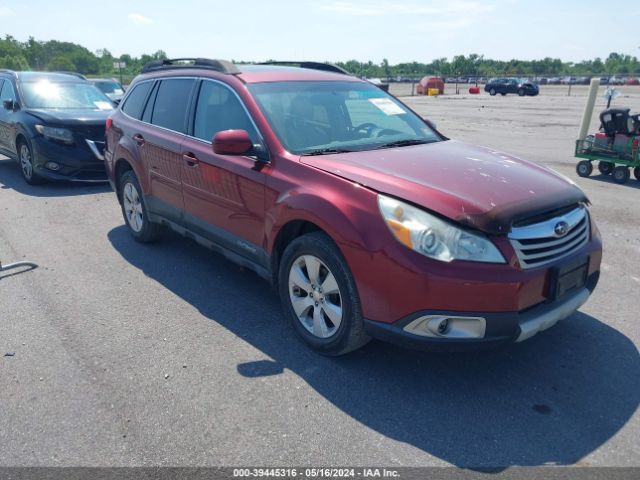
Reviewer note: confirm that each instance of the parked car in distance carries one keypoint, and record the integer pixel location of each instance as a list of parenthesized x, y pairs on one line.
[(369, 222), (53, 125), (111, 87), (632, 81), (504, 86)]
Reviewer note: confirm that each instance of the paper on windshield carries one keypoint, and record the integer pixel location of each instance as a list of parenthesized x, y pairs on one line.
[(103, 105), (387, 106)]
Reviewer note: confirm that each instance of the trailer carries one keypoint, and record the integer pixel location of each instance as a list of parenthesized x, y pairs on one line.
[(614, 147)]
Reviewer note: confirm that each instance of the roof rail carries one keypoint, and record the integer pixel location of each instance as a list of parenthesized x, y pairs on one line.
[(222, 66), (8, 70), (325, 67)]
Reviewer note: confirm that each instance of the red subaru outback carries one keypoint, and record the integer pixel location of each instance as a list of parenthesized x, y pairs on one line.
[(369, 221)]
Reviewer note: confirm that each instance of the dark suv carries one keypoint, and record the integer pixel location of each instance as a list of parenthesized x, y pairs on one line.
[(369, 222), (511, 85), (53, 125)]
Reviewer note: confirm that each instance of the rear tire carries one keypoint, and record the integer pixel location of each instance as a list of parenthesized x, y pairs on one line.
[(26, 161), (636, 173), (605, 168), (492, 92), (134, 210), (584, 168), (319, 295), (621, 174), (521, 92)]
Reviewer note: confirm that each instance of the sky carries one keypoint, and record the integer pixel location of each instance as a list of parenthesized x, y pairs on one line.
[(328, 30)]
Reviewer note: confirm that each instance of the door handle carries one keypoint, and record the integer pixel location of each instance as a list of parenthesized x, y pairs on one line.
[(190, 159), (139, 139)]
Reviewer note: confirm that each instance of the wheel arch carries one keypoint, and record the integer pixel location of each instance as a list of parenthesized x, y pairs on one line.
[(348, 225)]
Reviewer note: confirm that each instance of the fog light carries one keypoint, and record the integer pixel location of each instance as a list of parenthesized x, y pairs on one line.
[(52, 166), (447, 326), (442, 326)]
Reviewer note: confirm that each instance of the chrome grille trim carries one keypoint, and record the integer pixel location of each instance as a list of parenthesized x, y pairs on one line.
[(538, 244)]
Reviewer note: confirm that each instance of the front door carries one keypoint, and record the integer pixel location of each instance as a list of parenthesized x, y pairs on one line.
[(7, 125), (223, 194)]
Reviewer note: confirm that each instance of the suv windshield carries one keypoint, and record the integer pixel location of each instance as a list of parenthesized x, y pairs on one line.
[(47, 94), (316, 117)]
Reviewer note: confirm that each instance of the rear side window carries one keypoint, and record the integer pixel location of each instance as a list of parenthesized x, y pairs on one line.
[(135, 101), (171, 104)]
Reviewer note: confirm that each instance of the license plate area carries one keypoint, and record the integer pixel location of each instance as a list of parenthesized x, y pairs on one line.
[(568, 278)]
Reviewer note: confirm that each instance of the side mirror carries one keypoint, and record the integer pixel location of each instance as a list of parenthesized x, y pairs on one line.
[(232, 142), (9, 104)]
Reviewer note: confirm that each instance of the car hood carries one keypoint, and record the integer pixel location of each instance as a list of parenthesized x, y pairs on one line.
[(70, 117), (476, 186)]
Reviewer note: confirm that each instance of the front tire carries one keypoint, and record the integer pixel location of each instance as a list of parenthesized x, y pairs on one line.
[(25, 157), (134, 210), (492, 92), (521, 92), (584, 168), (319, 295), (636, 173)]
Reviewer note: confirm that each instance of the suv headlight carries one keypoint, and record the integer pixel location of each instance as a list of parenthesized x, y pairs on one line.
[(55, 133), (433, 237)]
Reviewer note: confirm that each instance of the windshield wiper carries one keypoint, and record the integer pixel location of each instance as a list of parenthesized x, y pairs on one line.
[(326, 151), (404, 143)]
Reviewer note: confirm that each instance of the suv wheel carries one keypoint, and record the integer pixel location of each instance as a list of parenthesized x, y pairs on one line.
[(492, 92), (521, 92), (134, 210), (319, 294), (26, 164)]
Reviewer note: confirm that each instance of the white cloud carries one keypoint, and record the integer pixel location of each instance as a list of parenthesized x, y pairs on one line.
[(5, 11), (139, 19)]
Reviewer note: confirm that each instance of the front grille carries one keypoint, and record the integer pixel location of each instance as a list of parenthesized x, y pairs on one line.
[(539, 244)]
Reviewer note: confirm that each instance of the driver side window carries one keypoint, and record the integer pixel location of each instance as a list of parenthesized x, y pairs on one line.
[(7, 92), (219, 109)]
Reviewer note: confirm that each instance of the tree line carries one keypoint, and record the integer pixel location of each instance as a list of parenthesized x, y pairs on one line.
[(53, 55)]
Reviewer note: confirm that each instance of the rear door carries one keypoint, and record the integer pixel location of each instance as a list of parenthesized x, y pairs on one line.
[(223, 194), (159, 142)]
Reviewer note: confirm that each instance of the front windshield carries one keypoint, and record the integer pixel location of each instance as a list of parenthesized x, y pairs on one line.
[(315, 117), (64, 95)]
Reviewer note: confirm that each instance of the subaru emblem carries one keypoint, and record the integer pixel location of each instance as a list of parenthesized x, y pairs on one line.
[(561, 229)]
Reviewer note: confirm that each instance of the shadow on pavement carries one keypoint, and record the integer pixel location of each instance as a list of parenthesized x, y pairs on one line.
[(11, 179), (632, 183), (550, 400)]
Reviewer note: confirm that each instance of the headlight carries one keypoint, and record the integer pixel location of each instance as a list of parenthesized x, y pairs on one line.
[(55, 133), (435, 238)]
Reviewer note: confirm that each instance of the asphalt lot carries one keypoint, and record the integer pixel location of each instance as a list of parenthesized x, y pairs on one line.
[(96, 330)]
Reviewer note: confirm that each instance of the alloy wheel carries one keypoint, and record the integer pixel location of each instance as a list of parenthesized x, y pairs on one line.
[(26, 161), (315, 296), (132, 207)]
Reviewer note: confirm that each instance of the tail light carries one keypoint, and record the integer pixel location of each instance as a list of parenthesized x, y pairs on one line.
[(108, 124)]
